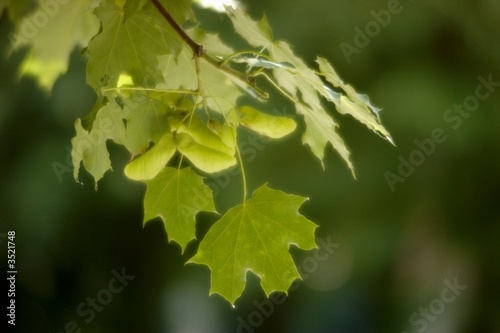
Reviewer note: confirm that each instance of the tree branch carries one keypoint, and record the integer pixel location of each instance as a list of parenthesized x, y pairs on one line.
[(199, 52), (195, 47)]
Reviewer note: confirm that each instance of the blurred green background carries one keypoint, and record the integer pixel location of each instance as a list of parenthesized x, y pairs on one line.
[(396, 246)]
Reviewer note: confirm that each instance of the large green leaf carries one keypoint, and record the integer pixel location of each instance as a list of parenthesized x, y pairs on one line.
[(177, 196), (300, 83), (303, 84), (129, 46), (256, 236), (52, 31)]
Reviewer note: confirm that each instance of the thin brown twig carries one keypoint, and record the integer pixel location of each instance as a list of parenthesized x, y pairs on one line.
[(199, 52)]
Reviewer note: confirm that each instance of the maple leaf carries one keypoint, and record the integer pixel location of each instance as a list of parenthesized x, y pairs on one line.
[(321, 129), (177, 196), (304, 86), (257, 33), (129, 46), (90, 146), (300, 82), (256, 236), (51, 41), (353, 103)]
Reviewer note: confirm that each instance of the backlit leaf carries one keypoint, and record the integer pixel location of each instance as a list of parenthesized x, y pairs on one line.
[(257, 33), (176, 196), (355, 104), (90, 146), (129, 46), (320, 130), (159, 101), (256, 236), (52, 31)]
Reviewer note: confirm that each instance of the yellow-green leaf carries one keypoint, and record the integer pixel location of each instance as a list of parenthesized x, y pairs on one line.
[(352, 103), (257, 33), (90, 146), (129, 46), (52, 31)]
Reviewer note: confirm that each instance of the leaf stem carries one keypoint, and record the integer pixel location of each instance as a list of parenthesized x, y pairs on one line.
[(243, 175), (284, 93), (176, 91), (199, 52)]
